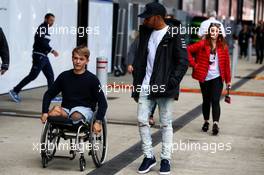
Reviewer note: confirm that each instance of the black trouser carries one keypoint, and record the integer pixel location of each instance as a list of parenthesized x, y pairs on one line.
[(259, 52), (40, 63), (211, 92), (243, 49)]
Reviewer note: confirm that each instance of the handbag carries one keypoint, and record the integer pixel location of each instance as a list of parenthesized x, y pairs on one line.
[(227, 97)]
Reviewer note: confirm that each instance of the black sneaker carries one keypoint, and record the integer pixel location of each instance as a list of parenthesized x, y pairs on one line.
[(164, 166), (205, 127), (146, 165), (215, 129)]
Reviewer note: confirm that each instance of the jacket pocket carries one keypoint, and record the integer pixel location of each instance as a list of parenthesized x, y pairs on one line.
[(171, 83)]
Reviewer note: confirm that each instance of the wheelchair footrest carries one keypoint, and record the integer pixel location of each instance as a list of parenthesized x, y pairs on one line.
[(63, 157)]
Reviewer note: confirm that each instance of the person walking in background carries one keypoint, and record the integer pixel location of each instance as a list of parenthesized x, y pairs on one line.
[(132, 52), (243, 40), (41, 49), (4, 52), (211, 66), (159, 68), (172, 21), (259, 42)]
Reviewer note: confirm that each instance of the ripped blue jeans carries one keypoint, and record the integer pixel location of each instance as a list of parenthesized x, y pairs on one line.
[(165, 116)]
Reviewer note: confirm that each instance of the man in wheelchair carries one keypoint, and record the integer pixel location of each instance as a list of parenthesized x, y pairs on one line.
[(81, 93)]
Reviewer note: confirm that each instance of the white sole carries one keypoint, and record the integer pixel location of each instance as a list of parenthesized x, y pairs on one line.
[(147, 170), (162, 173)]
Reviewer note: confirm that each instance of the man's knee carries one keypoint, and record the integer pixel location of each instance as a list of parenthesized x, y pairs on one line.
[(142, 122), (76, 116), (34, 73), (166, 122), (50, 82), (50, 77), (166, 126), (32, 77)]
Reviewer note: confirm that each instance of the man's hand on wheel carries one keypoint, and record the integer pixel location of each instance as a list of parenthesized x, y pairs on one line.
[(97, 127), (44, 117)]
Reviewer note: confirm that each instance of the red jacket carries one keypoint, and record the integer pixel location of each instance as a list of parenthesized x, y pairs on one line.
[(200, 64)]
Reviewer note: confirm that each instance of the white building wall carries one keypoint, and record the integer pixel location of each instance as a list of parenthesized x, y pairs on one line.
[(19, 20), (100, 38)]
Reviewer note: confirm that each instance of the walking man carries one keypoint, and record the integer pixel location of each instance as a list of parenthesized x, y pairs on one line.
[(259, 40), (243, 40), (161, 63), (41, 49)]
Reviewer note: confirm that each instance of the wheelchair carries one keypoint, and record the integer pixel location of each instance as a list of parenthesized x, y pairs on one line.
[(57, 128)]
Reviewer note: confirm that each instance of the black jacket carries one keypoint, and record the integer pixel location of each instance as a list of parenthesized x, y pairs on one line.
[(259, 36), (42, 39), (4, 51), (170, 65), (243, 38)]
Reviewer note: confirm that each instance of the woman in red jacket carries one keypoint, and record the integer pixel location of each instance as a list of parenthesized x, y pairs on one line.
[(211, 67)]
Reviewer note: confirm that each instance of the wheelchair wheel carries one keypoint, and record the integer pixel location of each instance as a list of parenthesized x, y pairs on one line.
[(99, 144), (82, 163), (117, 73), (49, 142), (44, 161)]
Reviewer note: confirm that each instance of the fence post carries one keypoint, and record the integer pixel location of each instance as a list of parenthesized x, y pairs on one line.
[(249, 50), (101, 72), (234, 59)]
